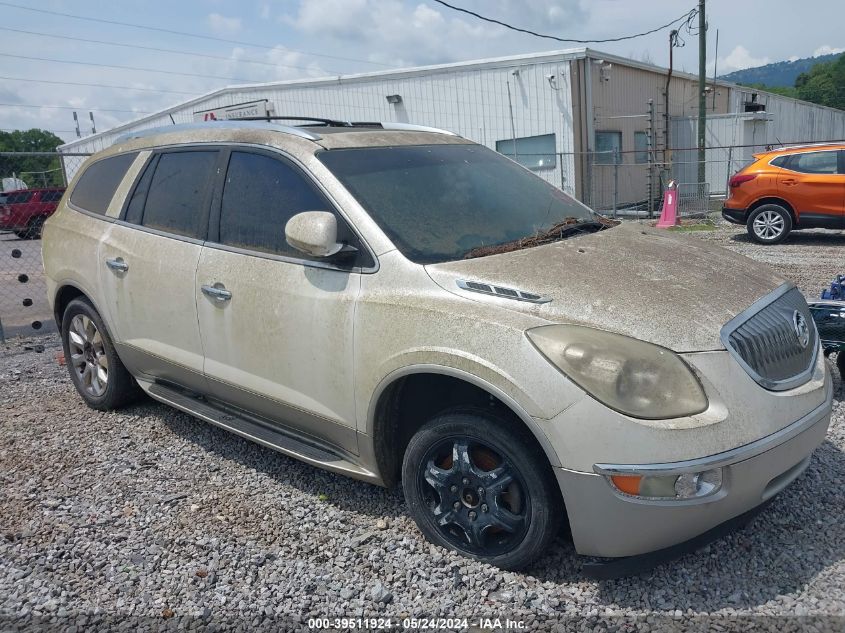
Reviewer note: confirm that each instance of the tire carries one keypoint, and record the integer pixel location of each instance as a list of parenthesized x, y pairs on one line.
[(769, 224), (840, 363), (470, 507), (88, 347)]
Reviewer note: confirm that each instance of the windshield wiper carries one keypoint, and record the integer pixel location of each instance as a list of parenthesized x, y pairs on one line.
[(556, 232)]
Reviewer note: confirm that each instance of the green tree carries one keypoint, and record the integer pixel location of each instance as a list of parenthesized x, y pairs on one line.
[(824, 84), (786, 91), (36, 171)]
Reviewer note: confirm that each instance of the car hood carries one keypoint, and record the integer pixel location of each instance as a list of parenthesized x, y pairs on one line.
[(658, 286)]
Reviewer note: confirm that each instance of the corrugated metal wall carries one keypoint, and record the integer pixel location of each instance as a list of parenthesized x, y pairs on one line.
[(732, 139), (473, 103)]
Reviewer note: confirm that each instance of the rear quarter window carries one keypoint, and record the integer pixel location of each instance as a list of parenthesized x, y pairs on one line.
[(99, 181)]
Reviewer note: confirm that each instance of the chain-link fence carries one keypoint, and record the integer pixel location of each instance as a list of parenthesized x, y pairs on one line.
[(621, 184), (631, 184), (33, 183)]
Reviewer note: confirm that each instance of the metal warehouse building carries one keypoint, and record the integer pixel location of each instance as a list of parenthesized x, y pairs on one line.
[(606, 129)]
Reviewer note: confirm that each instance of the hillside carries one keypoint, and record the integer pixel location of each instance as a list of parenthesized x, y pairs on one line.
[(779, 74)]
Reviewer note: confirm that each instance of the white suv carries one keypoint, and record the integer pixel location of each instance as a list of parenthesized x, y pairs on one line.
[(398, 304)]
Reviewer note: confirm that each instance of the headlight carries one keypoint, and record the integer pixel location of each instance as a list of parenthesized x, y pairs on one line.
[(631, 376)]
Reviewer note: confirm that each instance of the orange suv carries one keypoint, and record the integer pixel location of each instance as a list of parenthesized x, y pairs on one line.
[(800, 187)]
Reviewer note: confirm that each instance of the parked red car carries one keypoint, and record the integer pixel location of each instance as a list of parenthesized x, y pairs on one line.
[(24, 211)]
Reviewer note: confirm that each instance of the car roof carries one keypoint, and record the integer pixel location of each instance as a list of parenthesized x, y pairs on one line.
[(325, 133), (808, 147), (32, 190)]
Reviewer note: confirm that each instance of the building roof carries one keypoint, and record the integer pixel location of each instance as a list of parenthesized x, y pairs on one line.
[(509, 61)]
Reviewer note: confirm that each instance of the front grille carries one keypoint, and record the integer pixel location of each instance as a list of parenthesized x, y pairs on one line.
[(765, 339)]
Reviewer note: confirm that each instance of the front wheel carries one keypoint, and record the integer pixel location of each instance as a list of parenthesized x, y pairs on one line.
[(94, 366), (769, 224), (477, 484)]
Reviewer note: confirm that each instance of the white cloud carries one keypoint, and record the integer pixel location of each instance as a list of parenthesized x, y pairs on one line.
[(740, 58), (222, 24), (399, 33), (827, 50)]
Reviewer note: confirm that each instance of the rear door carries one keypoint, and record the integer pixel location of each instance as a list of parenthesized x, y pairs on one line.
[(814, 185), (149, 262), (277, 325)]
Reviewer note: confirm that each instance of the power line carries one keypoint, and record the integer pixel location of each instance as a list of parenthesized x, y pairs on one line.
[(184, 34), (77, 83), (562, 39), (161, 50), (148, 70), (63, 107)]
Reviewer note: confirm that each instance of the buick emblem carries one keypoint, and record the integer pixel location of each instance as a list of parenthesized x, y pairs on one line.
[(802, 331)]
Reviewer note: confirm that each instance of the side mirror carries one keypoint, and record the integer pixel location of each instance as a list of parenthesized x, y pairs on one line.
[(313, 233)]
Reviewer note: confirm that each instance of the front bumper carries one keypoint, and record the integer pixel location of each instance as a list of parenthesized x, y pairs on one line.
[(737, 216), (607, 523)]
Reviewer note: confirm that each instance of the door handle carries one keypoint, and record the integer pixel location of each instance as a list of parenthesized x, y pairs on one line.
[(117, 264), (217, 292), (789, 181)]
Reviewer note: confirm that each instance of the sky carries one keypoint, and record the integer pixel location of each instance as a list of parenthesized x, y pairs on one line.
[(267, 40)]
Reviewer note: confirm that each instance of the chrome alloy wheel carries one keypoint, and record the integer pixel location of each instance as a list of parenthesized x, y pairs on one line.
[(769, 225), (88, 355)]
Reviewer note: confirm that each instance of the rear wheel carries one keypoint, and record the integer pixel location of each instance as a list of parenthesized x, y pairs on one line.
[(840, 363), (476, 485), (95, 369), (769, 224)]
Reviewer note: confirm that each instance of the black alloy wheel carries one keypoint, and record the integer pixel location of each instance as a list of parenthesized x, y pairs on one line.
[(477, 484)]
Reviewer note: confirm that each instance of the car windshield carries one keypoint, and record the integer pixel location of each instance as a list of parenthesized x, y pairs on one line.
[(446, 202)]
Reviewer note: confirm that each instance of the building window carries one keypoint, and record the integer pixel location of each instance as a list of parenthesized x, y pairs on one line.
[(533, 152), (608, 148), (640, 147)]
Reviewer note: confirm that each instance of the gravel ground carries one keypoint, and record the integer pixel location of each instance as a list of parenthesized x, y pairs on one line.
[(148, 518)]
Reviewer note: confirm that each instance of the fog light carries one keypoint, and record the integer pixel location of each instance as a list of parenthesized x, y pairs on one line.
[(671, 486), (629, 484)]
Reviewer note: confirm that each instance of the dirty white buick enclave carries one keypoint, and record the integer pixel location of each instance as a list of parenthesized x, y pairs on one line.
[(401, 305)]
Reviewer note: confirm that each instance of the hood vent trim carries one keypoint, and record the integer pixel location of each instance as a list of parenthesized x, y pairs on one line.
[(501, 292)]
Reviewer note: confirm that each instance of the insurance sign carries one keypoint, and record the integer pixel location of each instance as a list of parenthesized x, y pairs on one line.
[(237, 111)]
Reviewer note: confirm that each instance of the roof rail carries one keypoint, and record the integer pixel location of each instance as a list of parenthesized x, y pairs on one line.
[(239, 124), (317, 120), (803, 145), (415, 128), (337, 123)]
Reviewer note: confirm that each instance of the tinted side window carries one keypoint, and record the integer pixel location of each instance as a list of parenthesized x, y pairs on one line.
[(781, 161), (97, 185), (176, 202), (814, 163), (135, 208), (260, 195)]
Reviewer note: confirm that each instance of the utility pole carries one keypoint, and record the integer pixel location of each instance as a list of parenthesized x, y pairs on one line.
[(702, 95)]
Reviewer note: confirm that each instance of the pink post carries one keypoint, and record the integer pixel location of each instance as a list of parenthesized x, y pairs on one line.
[(669, 215)]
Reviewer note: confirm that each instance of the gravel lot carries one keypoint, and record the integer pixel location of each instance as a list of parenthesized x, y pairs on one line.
[(159, 520)]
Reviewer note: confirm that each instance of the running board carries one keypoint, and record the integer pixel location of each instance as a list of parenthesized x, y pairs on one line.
[(257, 431)]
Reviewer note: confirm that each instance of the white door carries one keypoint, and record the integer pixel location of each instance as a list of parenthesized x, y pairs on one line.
[(277, 327), (148, 268)]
